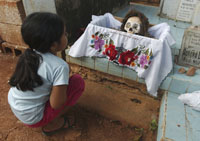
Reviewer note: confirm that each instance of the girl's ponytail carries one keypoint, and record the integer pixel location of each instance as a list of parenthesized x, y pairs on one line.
[(25, 76)]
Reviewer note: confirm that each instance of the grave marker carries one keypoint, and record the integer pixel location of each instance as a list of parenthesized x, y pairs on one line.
[(190, 49)]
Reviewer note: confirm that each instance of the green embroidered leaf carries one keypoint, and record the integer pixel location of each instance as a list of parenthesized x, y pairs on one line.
[(101, 36), (106, 41), (111, 41), (151, 53), (139, 52), (106, 35), (135, 50), (138, 65), (92, 46), (142, 47), (147, 52), (96, 33), (145, 67)]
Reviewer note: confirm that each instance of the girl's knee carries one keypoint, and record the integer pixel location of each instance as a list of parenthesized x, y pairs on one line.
[(78, 81)]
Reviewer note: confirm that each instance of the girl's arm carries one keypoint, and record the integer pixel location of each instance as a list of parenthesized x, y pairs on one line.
[(58, 96)]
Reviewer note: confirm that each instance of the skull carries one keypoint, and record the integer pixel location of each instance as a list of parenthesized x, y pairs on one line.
[(133, 25)]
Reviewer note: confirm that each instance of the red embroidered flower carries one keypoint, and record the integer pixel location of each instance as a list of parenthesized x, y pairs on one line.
[(111, 52), (126, 58), (135, 57)]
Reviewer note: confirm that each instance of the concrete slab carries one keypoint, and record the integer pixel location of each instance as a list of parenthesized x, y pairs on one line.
[(175, 118), (177, 122)]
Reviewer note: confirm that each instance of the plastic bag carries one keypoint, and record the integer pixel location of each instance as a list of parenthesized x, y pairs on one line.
[(191, 99)]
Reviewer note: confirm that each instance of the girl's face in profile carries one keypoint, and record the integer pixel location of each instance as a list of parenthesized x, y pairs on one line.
[(63, 41), (62, 44)]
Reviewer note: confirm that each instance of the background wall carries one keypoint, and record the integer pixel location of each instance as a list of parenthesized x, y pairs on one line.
[(77, 13), (11, 17)]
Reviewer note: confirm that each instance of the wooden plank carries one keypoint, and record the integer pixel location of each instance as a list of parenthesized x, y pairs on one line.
[(145, 3), (13, 47)]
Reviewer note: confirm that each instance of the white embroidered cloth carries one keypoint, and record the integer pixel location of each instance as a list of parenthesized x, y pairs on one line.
[(151, 58)]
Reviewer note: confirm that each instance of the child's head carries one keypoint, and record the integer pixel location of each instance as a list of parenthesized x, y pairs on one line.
[(44, 32)]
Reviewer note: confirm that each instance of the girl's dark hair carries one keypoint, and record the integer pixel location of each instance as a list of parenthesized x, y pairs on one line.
[(39, 31)]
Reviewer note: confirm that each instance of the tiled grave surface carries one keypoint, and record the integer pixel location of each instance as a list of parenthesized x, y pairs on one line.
[(174, 82), (176, 121)]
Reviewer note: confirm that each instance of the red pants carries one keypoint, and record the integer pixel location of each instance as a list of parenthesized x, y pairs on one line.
[(74, 91)]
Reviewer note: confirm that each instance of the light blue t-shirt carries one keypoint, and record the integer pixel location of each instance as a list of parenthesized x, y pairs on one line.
[(29, 106)]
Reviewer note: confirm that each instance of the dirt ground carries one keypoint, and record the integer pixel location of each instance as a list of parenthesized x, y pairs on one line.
[(90, 125)]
